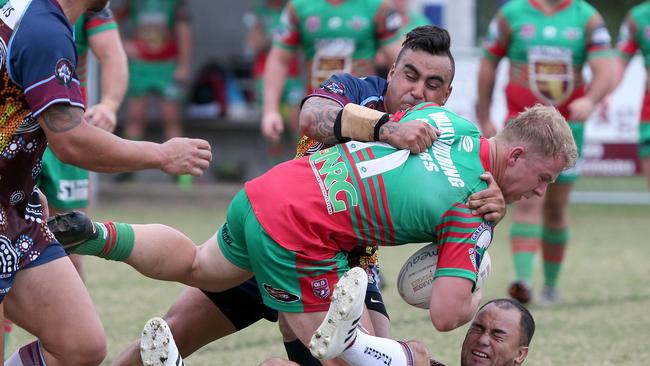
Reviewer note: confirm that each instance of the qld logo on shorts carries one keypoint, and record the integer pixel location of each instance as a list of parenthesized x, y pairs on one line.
[(63, 71), (321, 288), (280, 295)]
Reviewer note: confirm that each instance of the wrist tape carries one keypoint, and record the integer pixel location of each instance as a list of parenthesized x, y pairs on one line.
[(355, 122)]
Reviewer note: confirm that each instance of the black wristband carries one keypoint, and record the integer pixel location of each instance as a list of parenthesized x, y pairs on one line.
[(385, 118), (337, 129)]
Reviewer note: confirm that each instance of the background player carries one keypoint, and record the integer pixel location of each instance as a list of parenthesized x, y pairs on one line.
[(547, 43), (632, 38)]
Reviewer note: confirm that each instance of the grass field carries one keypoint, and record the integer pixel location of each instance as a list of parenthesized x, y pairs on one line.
[(602, 320)]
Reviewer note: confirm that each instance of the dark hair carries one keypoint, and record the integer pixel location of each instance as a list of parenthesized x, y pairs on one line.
[(526, 321), (431, 39)]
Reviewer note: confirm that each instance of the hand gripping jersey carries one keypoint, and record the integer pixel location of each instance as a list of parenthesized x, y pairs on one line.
[(546, 50), (35, 73), (370, 194), (338, 38)]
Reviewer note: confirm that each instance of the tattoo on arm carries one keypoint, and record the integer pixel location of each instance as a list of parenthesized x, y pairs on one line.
[(323, 114), (62, 117), (387, 129)]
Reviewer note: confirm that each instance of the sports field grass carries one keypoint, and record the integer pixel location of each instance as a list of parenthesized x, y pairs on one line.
[(602, 320)]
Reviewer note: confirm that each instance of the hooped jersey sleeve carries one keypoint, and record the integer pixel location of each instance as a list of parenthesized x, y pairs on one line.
[(627, 44), (598, 38), (497, 40), (463, 239)]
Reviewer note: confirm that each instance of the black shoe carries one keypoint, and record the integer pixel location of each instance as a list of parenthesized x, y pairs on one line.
[(72, 228)]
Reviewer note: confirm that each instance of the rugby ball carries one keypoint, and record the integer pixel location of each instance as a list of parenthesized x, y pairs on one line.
[(415, 279)]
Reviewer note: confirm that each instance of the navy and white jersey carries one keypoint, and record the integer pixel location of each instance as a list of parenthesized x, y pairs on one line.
[(37, 70), (344, 88)]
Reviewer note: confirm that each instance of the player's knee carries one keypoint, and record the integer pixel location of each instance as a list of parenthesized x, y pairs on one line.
[(89, 350), (420, 352), (285, 329)]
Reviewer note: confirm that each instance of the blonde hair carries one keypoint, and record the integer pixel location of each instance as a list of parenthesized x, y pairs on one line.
[(544, 130)]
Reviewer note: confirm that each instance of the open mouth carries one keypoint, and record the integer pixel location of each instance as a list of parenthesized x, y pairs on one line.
[(480, 354)]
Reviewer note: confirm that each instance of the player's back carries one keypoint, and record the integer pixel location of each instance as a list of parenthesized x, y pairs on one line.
[(371, 193)]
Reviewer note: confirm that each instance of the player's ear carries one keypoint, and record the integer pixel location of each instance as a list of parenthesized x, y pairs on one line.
[(515, 154), (391, 72), (521, 355), (444, 101)]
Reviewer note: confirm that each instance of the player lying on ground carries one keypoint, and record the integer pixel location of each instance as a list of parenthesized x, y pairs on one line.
[(358, 196), (500, 334)]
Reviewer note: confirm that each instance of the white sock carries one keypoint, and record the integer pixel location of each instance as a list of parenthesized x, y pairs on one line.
[(371, 350)]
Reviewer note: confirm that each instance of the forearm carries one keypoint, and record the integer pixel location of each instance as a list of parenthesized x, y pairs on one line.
[(97, 150), (603, 79), (114, 79), (486, 79), (76, 142), (114, 70), (452, 303), (275, 75), (184, 36)]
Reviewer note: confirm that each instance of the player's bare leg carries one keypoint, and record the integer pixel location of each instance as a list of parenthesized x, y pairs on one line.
[(136, 118), (51, 302), (171, 118), (525, 242), (645, 168), (194, 322), (554, 238)]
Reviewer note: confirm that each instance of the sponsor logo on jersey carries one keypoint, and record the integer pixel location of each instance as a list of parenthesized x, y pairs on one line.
[(483, 237), (335, 22), (527, 31), (467, 144), (63, 72), (321, 288), (334, 87), (332, 175), (225, 234), (549, 32), (280, 295), (312, 23), (441, 149), (358, 23), (572, 33)]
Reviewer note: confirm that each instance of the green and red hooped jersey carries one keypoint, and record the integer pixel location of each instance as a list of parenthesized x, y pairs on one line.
[(89, 24), (547, 48), (338, 36), (152, 25), (634, 36), (370, 194)]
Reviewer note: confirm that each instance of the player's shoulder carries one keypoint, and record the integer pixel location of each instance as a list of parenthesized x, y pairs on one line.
[(366, 84), (442, 116), (641, 11), (585, 8), (512, 8), (43, 18)]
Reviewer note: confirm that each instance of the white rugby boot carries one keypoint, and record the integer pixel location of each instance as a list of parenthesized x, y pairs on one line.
[(338, 329), (157, 346)]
